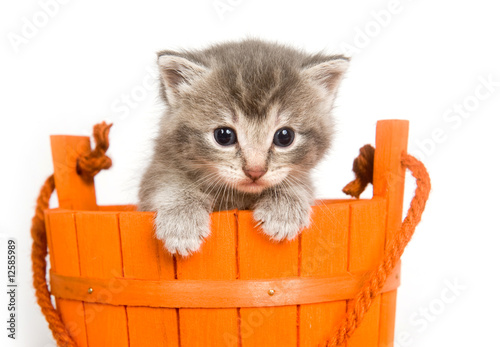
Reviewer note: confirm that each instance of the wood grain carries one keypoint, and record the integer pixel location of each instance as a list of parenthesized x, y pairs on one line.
[(100, 257), (73, 192), (216, 260), (145, 258), (366, 249), (64, 260), (218, 293), (261, 258), (388, 183), (324, 251)]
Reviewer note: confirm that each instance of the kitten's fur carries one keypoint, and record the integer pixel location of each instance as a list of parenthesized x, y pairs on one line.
[(255, 88)]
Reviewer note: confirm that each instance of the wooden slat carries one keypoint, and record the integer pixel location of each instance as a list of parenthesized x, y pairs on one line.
[(261, 258), (145, 258), (387, 318), (219, 293), (117, 208), (216, 260), (100, 256), (324, 252), (388, 182), (73, 192), (63, 251), (366, 249)]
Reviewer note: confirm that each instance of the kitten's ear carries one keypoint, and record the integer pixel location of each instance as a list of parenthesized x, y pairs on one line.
[(328, 73), (177, 73)]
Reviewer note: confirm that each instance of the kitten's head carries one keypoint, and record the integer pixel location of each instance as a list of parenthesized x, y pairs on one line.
[(250, 115)]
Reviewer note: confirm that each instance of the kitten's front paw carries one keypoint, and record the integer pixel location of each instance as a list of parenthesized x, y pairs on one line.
[(282, 221), (182, 230)]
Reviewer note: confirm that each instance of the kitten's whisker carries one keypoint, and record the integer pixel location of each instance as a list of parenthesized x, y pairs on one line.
[(215, 185), (223, 196), (200, 181), (211, 188), (232, 198), (233, 187), (216, 195), (293, 190)]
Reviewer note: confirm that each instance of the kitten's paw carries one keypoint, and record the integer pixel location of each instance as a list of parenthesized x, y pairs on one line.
[(181, 230), (283, 223)]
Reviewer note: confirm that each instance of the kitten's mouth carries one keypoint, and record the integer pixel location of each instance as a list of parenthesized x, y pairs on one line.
[(252, 186)]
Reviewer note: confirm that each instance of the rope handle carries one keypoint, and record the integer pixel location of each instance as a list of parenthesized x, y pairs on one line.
[(89, 165), (359, 306)]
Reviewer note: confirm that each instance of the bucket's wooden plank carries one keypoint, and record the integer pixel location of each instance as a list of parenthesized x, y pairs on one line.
[(387, 318), (324, 251), (145, 258), (366, 249), (259, 257), (63, 251), (388, 182), (73, 192), (100, 257), (117, 208), (217, 261)]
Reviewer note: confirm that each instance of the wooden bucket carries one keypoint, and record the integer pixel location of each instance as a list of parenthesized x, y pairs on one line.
[(115, 285)]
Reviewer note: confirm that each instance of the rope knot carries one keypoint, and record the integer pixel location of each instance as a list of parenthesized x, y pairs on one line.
[(363, 169), (89, 165)]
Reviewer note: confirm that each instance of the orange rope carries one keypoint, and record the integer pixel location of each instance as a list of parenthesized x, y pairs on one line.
[(88, 166), (363, 168), (358, 306)]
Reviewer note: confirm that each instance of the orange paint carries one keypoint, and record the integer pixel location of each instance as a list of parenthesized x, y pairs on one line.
[(148, 261), (388, 183)]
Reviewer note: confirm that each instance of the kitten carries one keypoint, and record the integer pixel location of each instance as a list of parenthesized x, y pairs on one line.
[(245, 124)]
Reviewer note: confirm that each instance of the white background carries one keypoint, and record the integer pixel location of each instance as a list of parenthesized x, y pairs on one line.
[(81, 59)]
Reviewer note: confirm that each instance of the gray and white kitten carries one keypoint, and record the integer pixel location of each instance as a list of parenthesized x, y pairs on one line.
[(245, 124)]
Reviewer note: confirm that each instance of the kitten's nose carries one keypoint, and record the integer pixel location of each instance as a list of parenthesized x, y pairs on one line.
[(255, 172)]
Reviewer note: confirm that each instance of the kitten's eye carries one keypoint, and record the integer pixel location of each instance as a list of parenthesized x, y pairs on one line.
[(284, 137), (225, 136)]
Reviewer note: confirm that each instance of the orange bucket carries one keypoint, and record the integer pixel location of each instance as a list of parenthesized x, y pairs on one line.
[(115, 285)]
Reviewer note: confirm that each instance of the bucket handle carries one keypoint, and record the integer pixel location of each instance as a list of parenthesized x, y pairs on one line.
[(363, 169)]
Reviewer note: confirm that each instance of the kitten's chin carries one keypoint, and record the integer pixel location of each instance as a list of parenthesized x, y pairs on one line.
[(251, 187)]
